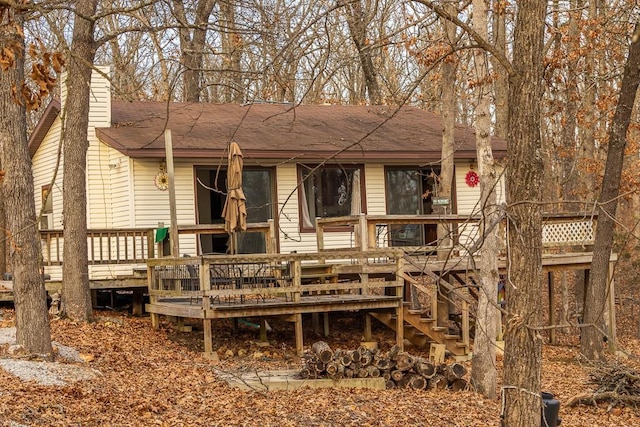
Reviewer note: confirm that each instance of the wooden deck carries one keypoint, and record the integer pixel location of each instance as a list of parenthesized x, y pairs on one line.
[(223, 286), (398, 286)]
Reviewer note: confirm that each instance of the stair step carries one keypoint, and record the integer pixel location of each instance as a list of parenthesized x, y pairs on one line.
[(427, 320), (461, 345), (452, 337), (417, 311), (438, 328)]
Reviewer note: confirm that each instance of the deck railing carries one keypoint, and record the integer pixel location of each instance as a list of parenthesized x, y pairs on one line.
[(371, 231), (236, 279), (105, 246)]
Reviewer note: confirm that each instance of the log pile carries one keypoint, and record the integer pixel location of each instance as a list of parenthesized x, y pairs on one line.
[(398, 368), (615, 383)]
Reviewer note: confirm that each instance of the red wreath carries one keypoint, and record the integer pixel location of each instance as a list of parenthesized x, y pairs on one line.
[(472, 179)]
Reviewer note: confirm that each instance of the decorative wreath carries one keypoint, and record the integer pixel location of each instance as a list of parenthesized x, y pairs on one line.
[(472, 179), (161, 181)]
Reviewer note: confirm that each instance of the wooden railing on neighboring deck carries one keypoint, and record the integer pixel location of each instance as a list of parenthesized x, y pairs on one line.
[(371, 231)]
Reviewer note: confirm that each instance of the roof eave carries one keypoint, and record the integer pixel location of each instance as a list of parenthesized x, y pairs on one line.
[(44, 124)]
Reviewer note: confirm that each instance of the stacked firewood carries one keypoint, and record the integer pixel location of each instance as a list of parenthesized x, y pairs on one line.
[(398, 368)]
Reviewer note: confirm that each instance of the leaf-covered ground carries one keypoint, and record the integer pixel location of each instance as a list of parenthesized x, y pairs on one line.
[(158, 377)]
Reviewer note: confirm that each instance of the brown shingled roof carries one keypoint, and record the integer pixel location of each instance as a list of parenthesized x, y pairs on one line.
[(276, 131)]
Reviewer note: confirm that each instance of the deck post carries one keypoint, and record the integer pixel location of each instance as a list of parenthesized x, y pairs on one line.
[(173, 234), (400, 308), (552, 308), (465, 319), (367, 327), (151, 284), (207, 322), (270, 238), (362, 239), (263, 329), (297, 284), (138, 298)]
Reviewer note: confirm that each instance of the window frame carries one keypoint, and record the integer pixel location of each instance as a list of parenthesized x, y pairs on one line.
[(301, 167)]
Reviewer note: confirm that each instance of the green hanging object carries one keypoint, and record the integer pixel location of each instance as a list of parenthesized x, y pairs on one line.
[(162, 234)]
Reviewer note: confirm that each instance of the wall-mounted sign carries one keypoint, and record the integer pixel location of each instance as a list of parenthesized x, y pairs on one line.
[(440, 201)]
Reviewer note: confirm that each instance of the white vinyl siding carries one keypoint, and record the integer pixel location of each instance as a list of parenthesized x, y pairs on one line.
[(151, 205), (376, 202), (44, 164), (119, 176), (99, 197)]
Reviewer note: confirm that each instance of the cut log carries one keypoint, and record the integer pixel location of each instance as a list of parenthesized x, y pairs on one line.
[(404, 361), (438, 382), (425, 368), (366, 358), (306, 373), (322, 351), (397, 375), (349, 373), (404, 381), (363, 373), (417, 382), (389, 384), (455, 371), (458, 385), (393, 352), (382, 363), (372, 371), (346, 359), (334, 369)]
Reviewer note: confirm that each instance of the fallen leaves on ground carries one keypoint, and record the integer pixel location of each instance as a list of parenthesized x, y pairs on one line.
[(158, 377)]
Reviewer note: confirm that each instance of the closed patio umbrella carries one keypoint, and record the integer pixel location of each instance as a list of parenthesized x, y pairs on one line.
[(235, 208)]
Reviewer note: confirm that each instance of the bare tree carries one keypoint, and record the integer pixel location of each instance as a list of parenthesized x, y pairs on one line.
[(231, 53), (500, 76), (521, 383), (76, 295), (192, 44), (591, 343), (32, 321), (358, 18), (483, 368)]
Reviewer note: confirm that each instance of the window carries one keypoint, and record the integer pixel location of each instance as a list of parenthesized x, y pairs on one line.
[(329, 191), (257, 184), (410, 191), (46, 221)]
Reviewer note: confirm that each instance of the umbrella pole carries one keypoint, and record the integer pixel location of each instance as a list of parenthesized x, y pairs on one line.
[(233, 243)]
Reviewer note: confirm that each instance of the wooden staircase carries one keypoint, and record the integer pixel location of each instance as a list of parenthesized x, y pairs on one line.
[(419, 325), (422, 331)]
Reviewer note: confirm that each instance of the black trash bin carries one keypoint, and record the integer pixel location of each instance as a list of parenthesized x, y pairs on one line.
[(550, 410)]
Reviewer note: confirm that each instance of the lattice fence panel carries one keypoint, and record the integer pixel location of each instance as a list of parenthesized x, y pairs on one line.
[(568, 233)]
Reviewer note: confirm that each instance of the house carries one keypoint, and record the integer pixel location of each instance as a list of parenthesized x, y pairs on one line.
[(300, 162)]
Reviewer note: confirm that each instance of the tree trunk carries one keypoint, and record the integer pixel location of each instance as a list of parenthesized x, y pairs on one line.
[(25, 258), (358, 19), (484, 373), (231, 53), (596, 294), (76, 295), (192, 46), (445, 184), (3, 235), (501, 83), (523, 344)]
